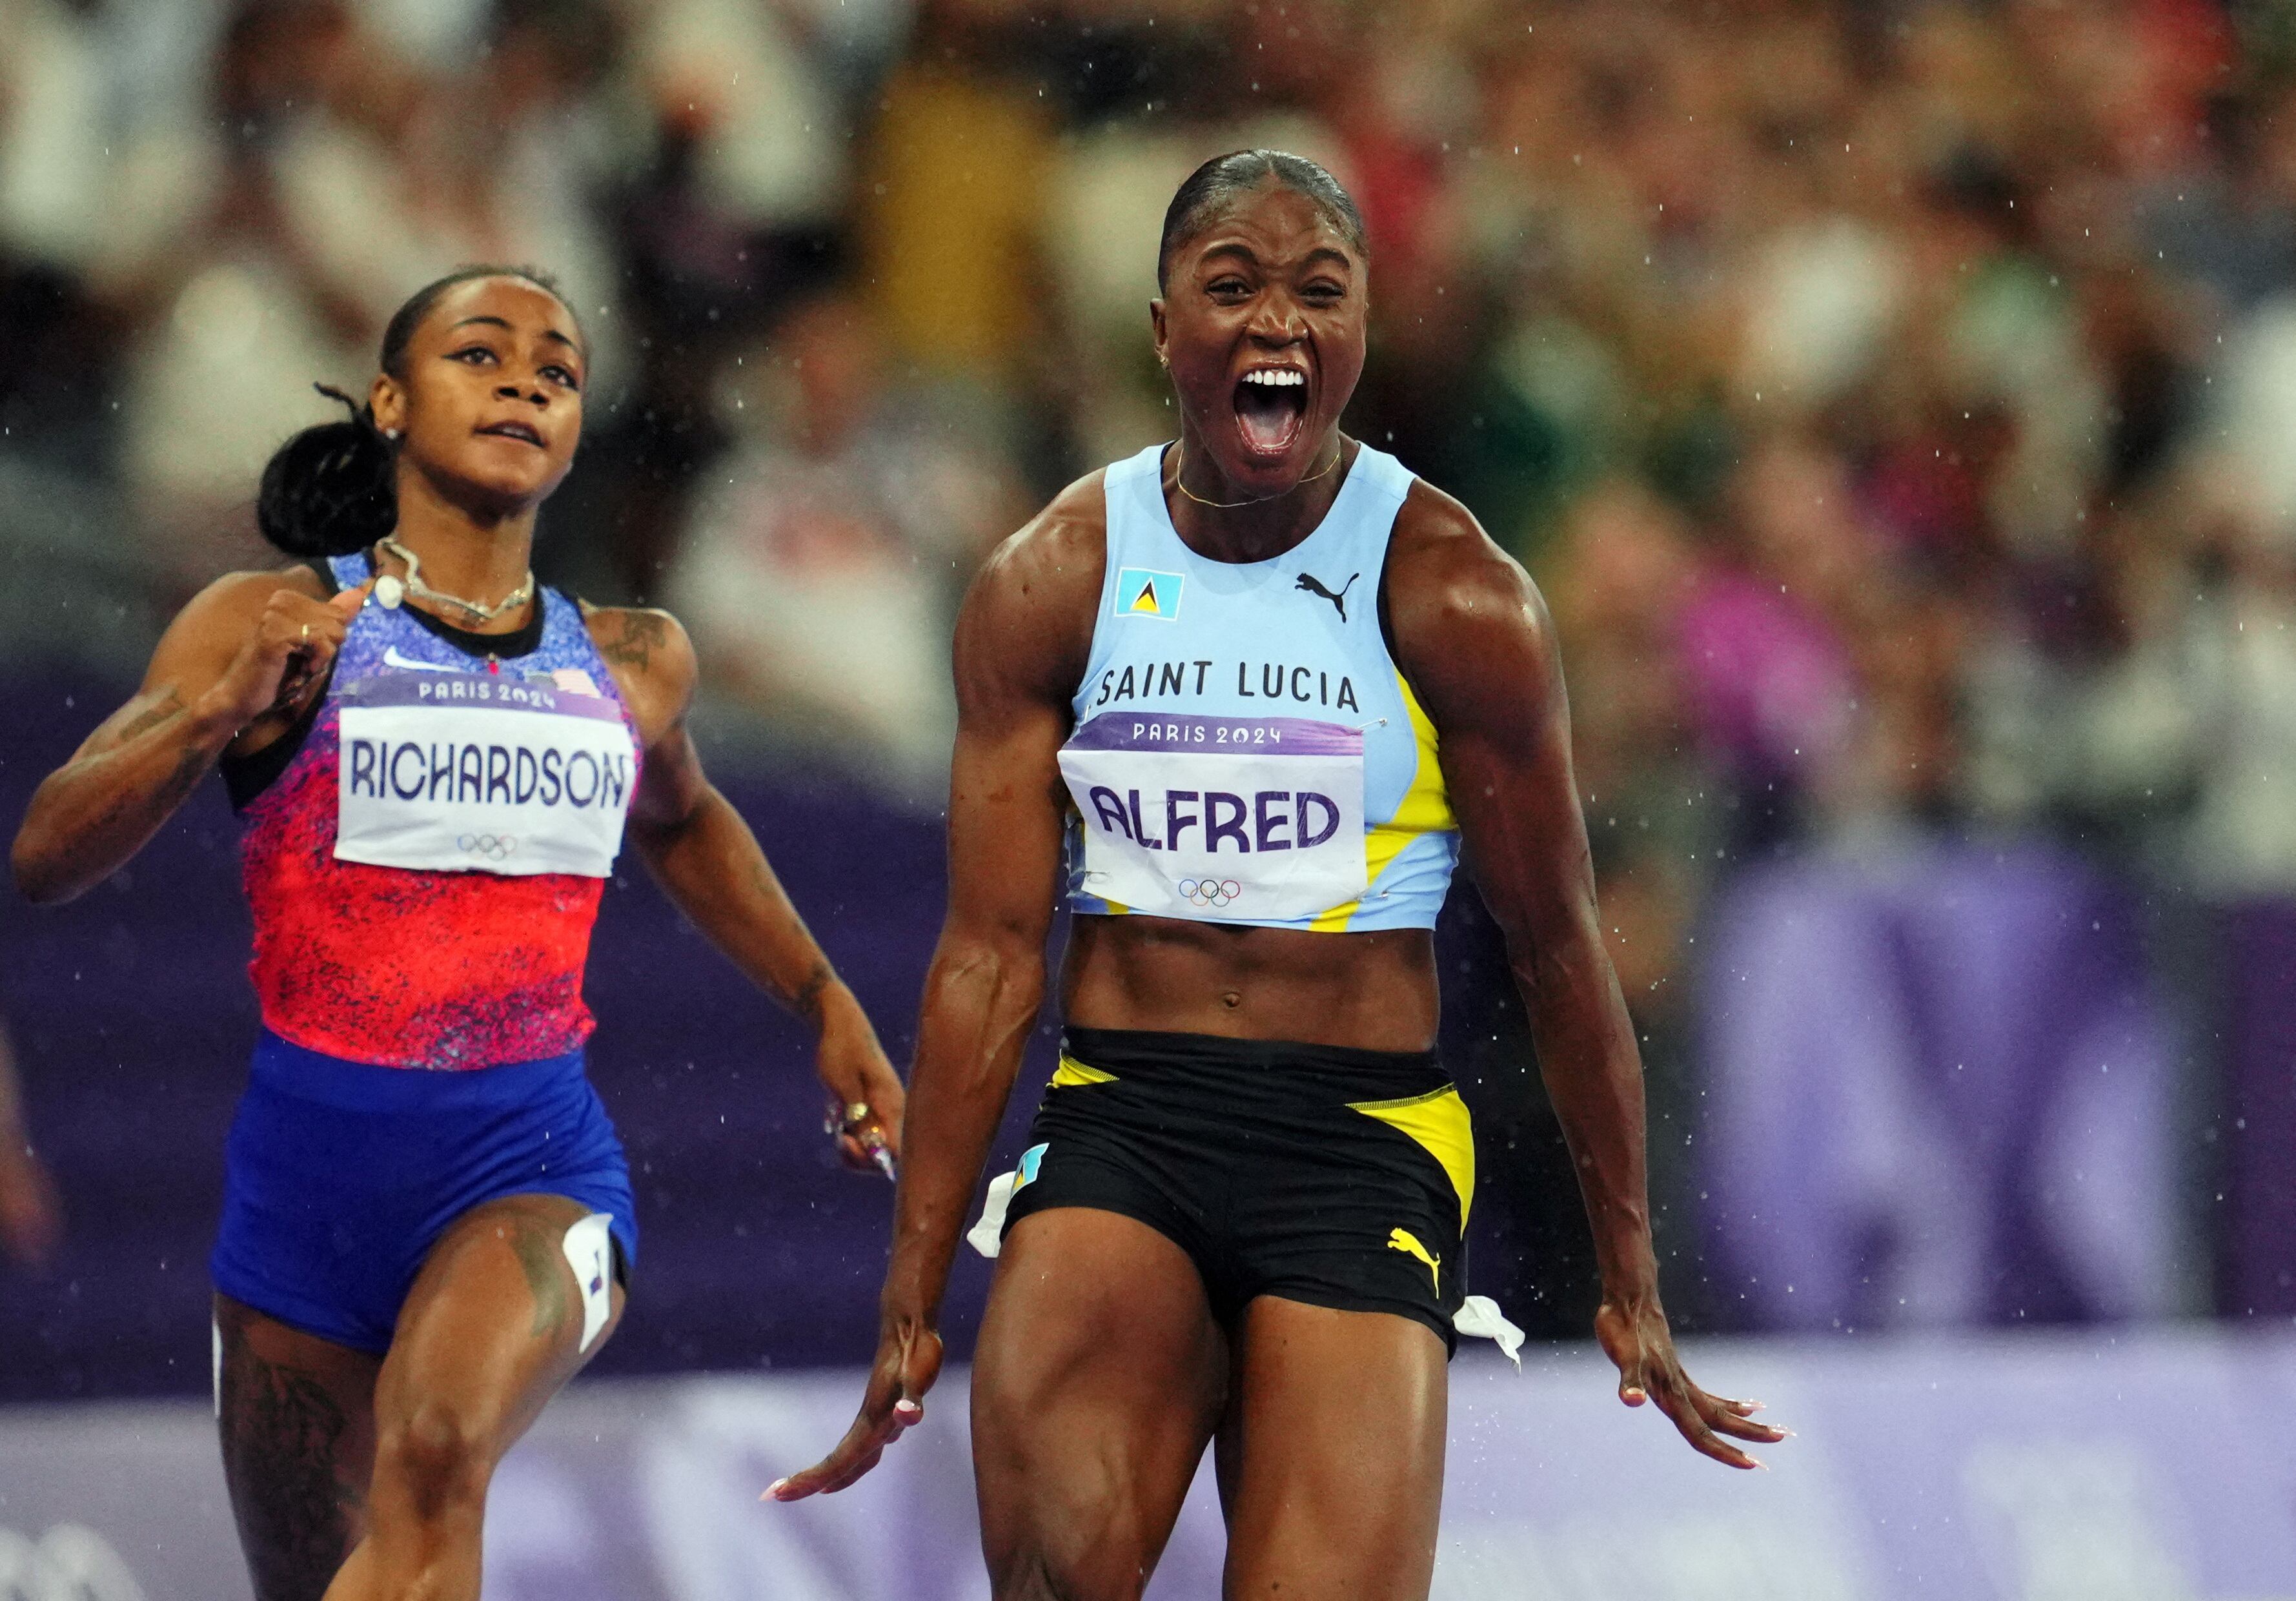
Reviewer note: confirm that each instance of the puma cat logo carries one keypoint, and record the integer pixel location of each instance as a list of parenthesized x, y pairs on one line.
[(1404, 1241), (1315, 586)]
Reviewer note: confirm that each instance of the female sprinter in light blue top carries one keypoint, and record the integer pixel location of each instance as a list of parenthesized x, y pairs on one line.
[(1258, 686)]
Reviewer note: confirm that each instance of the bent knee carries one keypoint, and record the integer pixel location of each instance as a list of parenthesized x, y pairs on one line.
[(442, 1454), (1072, 1530), (1037, 1575)]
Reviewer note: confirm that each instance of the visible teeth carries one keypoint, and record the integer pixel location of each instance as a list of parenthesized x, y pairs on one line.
[(1276, 377)]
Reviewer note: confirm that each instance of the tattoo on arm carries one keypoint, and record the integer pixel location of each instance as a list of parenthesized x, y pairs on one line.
[(634, 647), (544, 1263), (806, 999), (190, 766), (168, 708)]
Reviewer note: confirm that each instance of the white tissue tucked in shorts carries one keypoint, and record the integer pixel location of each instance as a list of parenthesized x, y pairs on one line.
[(1478, 1317), (988, 1235), (590, 1253)]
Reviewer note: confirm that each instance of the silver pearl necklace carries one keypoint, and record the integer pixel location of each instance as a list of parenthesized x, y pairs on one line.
[(391, 590)]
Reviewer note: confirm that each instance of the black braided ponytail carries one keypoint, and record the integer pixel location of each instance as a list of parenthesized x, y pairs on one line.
[(334, 490), (330, 489)]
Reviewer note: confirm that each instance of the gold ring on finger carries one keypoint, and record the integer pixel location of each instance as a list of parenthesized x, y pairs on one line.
[(856, 1112), (307, 630)]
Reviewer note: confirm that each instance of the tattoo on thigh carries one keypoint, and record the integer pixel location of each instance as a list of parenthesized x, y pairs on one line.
[(282, 1438), (545, 1265)]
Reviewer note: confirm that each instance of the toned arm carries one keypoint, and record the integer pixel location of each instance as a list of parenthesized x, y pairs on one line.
[(1473, 635), (231, 672), (1020, 646)]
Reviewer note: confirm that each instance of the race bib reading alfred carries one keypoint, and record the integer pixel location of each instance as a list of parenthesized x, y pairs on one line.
[(1220, 816), (447, 772)]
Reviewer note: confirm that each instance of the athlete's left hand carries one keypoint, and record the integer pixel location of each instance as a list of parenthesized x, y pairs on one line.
[(1637, 1339), (866, 1100)]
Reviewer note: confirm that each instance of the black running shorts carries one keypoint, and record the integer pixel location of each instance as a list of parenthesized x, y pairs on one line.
[(1335, 1177)]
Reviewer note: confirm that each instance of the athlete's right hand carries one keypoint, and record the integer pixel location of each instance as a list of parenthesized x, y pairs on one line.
[(291, 646), (908, 1361)]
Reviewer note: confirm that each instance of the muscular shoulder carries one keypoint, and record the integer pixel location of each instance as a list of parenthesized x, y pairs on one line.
[(1465, 618), (651, 658), (1027, 621), (1058, 555)]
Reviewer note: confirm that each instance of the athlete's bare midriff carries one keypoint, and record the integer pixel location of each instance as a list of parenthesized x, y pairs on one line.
[(1373, 991)]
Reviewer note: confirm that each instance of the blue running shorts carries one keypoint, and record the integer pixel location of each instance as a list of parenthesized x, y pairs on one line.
[(339, 1177)]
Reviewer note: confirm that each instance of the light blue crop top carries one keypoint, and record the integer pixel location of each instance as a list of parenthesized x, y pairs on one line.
[(1245, 749)]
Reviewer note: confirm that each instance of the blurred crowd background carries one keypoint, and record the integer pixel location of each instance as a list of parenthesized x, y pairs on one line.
[(1893, 399)]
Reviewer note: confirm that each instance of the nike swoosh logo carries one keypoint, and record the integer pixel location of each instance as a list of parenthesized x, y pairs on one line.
[(391, 658)]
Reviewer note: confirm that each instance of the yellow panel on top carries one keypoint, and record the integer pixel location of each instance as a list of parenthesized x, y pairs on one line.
[(1425, 808)]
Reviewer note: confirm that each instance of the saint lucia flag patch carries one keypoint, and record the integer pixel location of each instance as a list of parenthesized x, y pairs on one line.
[(1031, 1160), (1143, 593)]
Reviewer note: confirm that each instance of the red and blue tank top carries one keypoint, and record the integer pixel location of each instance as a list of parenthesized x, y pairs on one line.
[(424, 858)]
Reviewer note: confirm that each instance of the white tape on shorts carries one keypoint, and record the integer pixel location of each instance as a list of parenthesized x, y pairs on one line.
[(590, 1252)]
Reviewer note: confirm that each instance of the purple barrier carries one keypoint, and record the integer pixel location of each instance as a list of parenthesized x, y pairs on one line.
[(2260, 1180), (2060, 1467), (1937, 1092)]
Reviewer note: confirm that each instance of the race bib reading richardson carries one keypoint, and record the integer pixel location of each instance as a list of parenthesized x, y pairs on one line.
[(1257, 819), (457, 772)]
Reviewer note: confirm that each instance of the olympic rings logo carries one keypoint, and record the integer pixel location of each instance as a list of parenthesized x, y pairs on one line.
[(494, 846), (1209, 891)]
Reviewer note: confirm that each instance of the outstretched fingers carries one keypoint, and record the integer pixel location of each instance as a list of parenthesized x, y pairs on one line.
[(908, 1361), (1703, 1420), (1734, 1418), (877, 1427)]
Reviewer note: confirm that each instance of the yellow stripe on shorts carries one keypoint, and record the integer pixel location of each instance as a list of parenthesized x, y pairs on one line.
[(1071, 1071), (1438, 1121)]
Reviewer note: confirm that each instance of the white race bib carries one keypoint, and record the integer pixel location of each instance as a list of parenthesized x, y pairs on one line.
[(461, 772), (1219, 818)]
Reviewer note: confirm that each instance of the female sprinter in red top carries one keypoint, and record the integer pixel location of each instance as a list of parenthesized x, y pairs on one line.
[(1265, 682), (427, 1217)]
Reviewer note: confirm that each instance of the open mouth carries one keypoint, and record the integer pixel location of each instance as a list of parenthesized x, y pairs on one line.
[(524, 431), (1271, 407)]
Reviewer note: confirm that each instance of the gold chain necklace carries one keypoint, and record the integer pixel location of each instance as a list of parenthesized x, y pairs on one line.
[(1179, 483), (390, 588)]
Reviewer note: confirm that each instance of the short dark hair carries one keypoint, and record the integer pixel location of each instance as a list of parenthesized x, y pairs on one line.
[(1224, 178), (334, 490)]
